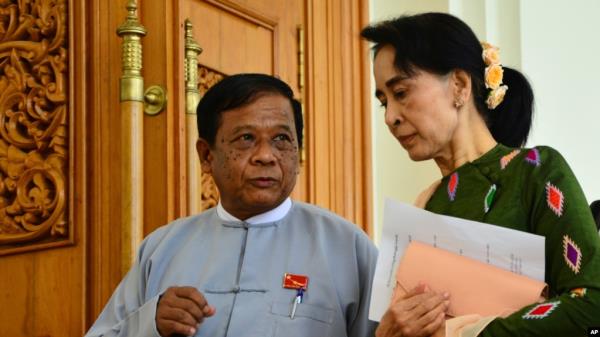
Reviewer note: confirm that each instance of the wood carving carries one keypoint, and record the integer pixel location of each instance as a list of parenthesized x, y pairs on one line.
[(33, 123), (210, 194), (206, 79)]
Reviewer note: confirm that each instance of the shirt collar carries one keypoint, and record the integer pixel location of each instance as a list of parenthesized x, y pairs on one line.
[(273, 215)]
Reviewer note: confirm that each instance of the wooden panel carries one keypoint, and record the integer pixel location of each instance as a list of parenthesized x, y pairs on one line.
[(339, 172), (103, 259), (35, 287), (162, 133), (34, 284), (232, 42)]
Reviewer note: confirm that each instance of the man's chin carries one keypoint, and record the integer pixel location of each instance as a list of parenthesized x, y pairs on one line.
[(267, 203)]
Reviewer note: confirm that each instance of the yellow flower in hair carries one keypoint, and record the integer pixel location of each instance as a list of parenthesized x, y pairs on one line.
[(493, 76), (496, 96), (490, 54), (486, 45)]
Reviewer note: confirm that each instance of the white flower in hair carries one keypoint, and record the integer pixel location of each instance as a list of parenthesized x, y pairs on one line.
[(496, 96)]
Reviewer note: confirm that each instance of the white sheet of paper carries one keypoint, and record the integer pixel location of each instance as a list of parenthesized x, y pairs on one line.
[(520, 252)]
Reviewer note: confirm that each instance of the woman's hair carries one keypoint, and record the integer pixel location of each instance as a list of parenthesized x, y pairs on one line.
[(237, 91), (440, 43)]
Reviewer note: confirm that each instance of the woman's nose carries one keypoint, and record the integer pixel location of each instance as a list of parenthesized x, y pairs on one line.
[(392, 117)]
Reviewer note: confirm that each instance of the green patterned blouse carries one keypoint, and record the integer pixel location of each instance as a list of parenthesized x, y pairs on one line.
[(534, 190)]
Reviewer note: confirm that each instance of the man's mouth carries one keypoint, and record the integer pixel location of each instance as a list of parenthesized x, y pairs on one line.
[(263, 181)]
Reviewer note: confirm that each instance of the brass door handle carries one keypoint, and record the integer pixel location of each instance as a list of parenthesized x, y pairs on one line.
[(155, 100), (132, 82)]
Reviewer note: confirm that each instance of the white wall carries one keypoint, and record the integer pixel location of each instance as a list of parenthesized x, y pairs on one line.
[(560, 56), (394, 174), (555, 45)]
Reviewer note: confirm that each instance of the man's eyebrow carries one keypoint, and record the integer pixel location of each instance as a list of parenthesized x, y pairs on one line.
[(242, 128), (251, 127), (285, 127)]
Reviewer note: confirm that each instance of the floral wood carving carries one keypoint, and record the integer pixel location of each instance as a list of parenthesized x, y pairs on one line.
[(210, 195), (33, 124), (207, 78)]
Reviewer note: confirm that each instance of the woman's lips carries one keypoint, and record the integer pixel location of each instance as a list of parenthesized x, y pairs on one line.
[(406, 140)]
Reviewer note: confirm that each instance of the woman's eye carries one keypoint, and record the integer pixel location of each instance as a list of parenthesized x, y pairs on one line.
[(399, 94)]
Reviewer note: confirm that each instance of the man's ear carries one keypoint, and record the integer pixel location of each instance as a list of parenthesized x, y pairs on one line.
[(205, 155), (461, 85)]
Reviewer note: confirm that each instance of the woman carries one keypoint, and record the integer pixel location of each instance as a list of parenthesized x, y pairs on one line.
[(448, 98)]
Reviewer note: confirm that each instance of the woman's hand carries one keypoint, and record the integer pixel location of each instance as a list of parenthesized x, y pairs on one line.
[(418, 313)]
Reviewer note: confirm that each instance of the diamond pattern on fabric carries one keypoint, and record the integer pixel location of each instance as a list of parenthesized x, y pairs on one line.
[(555, 199), (533, 157), (572, 254), (541, 310)]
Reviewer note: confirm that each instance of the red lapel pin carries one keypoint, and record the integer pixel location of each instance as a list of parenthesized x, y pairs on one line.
[(295, 281)]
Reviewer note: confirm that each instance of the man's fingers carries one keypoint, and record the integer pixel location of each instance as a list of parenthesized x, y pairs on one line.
[(180, 311), (190, 299), (178, 315), (192, 294), (173, 327), (188, 305), (209, 310)]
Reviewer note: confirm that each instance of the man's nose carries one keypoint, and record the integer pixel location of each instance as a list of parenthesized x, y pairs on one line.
[(264, 154)]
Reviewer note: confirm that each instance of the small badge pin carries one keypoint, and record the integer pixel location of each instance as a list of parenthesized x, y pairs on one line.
[(298, 282), (295, 281)]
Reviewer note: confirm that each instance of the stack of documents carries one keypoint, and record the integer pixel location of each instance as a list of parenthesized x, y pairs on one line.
[(493, 248)]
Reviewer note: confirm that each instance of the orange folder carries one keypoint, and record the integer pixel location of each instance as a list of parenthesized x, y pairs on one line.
[(474, 287)]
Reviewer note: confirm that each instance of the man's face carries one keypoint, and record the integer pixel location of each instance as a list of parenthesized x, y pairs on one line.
[(254, 160)]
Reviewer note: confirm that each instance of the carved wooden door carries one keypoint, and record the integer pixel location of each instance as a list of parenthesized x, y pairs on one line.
[(41, 220)]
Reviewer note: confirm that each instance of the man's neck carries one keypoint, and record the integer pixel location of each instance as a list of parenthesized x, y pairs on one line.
[(271, 215)]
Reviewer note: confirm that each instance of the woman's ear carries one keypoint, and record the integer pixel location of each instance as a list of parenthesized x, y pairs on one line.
[(461, 85), (205, 155)]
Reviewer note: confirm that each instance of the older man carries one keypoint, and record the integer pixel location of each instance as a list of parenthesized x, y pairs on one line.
[(258, 264)]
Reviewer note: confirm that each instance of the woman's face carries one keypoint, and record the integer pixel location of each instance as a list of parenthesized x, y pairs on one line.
[(419, 110)]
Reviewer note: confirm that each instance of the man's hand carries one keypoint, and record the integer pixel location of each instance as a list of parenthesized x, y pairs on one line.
[(180, 310), (419, 313)]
